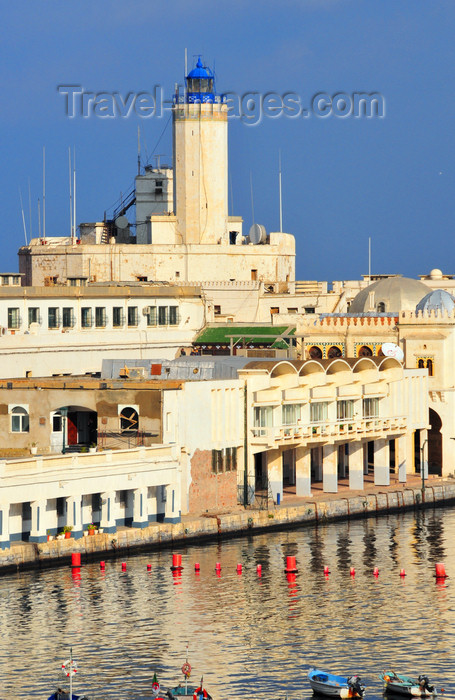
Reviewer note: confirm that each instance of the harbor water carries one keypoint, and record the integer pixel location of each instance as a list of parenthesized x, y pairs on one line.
[(248, 635)]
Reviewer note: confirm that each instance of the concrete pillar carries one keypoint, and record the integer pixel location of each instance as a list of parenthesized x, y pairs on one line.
[(152, 497), (424, 453), (330, 468), (303, 471), (275, 473), (108, 511), (4, 526), (171, 506), (381, 463), (38, 528), (403, 457), (74, 515), (356, 465), (140, 513)]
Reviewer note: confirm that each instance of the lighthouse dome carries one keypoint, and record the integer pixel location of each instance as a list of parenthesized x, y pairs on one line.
[(200, 84)]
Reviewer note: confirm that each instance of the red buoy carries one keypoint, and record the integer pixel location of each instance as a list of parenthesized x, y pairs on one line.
[(376, 571), (149, 567), (123, 565), (440, 571), (76, 559), (291, 567), (197, 566), (102, 565), (176, 562), (326, 570), (259, 569), (218, 566), (402, 573), (352, 572)]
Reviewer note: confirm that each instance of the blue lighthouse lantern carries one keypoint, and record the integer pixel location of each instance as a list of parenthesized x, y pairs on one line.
[(200, 85)]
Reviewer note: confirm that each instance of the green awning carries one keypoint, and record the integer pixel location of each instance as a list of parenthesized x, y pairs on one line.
[(245, 335)]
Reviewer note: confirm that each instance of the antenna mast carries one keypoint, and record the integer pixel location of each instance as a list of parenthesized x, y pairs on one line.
[(138, 150), (39, 219), (369, 259), (71, 192), (44, 191), (74, 192), (30, 209), (252, 201), (281, 200), (23, 217)]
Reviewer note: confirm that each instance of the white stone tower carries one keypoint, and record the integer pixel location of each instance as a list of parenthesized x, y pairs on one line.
[(200, 160)]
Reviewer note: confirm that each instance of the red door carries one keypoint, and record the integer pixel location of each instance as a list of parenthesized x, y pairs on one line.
[(71, 429)]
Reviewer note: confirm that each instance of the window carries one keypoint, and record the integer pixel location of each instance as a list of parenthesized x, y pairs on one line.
[(292, 310), (254, 274), (162, 315), (133, 317), (370, 408), (118, 317), (34, 315), (86, 317), (151, 315), (290, 413), (310, 309), (380, 308), (100, 317), (274, 310), (345, 409), (217, 310), (53, 317), (57, 423), (50, 281), (174, 316), (365, 351), (430, 367), (315, 353), (428, 363), (68, 317), (129, 420), (334, 351), (19, 420), (77, 281), (263, 418), (318, 411), (141, 278), (14, 319), (217, 461)]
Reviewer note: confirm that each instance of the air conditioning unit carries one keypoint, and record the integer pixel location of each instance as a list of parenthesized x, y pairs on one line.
[(146, 311)]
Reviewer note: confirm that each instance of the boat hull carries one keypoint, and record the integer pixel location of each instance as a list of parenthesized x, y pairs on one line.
[(406, 686), (330, 685)]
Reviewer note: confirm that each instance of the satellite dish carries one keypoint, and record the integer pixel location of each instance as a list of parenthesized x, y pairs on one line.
[(122, 222), (392, 350), (239, 239), (257, 234)]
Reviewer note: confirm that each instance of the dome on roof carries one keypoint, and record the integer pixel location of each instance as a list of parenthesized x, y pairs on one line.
[(392, 294), (200, 71), (437, 300), (436, 274)]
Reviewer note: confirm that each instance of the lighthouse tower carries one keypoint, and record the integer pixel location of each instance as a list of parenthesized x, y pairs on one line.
[(200, 160)]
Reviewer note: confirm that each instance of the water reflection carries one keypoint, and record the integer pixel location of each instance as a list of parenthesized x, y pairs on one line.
[(248, 635)]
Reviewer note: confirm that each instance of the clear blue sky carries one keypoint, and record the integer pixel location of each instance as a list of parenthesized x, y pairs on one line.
[(343, 179)]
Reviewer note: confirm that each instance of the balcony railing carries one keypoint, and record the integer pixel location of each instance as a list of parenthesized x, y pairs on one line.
[(328, 430)]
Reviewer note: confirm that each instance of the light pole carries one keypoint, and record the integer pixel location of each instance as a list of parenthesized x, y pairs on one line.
[(422, 467), (64, 412)]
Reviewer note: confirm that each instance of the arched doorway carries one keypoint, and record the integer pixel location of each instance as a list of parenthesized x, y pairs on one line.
[(73, 428), (435, 444)]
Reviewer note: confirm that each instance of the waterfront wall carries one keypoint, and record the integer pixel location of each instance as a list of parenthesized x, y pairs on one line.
[(169, 535)]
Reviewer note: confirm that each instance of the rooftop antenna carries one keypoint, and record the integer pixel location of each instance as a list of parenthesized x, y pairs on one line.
[(232, 194), (158, 162), (281, 200), (74, 191), (39, 219), (23, 217), (138, 150), (71, 191), (251, 189), (44, 191), (30, 208), (369, 259)]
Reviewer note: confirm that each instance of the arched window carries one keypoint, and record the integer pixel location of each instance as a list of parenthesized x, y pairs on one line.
[(430, 367), (315, 353), (334, 352), (129, 420), (421, 364), (19, 420), (380, 308), (365, 351)]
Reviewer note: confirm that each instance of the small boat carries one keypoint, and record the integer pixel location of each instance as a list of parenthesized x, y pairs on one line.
[(406, 685), (335, 686), (68, 670), (185, 691)]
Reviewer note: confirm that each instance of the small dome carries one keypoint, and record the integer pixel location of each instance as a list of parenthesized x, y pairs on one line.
[(200, 71), (392, 294), (437, 300), (436, 274)]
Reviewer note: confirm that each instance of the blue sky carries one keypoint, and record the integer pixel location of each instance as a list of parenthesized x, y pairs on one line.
[(344, 180)]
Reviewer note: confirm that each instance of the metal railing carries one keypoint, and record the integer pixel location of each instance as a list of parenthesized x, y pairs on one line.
[(328, 429)]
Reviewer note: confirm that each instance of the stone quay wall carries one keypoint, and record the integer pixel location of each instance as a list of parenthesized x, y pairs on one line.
[(171, 535)]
